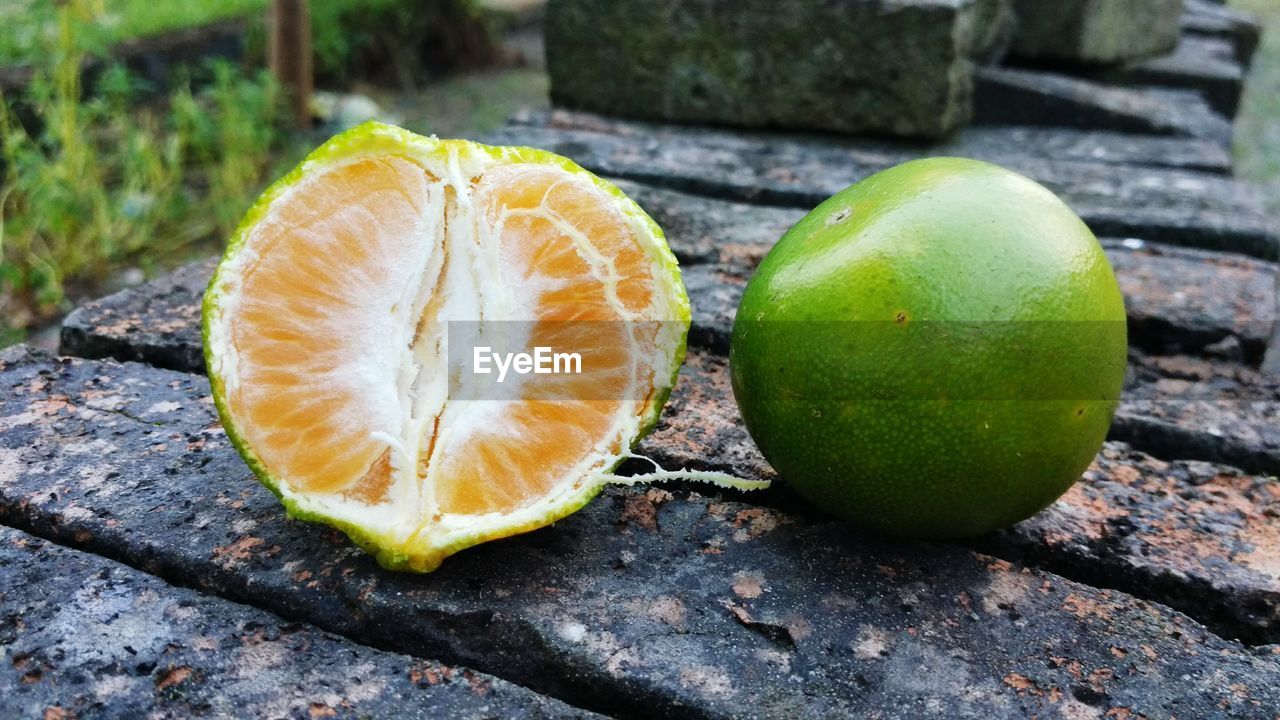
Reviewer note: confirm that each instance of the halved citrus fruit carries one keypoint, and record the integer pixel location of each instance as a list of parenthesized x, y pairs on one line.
[(332, 330)]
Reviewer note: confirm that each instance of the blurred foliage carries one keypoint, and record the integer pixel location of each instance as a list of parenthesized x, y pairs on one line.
[(31, 25), (127, 175), (93, 184), (395, 39), (368, 39), (1258, 125)]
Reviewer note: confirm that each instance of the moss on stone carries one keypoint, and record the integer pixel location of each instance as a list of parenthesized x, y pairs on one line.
[(896, 68), (1096, 31)]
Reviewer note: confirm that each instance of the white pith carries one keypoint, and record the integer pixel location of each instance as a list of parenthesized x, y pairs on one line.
[(466, 289)]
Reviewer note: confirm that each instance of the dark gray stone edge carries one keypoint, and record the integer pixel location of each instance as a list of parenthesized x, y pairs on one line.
[(495, 632), (1172, 591), (215, 658), (226, 585), (1195, 597), (1167, 441), (571, 692), (1103, 223)]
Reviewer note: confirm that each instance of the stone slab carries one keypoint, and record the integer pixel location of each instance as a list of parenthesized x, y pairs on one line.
[(675, 603), (1203, 538), (1005, 143), (703, 230), (1159, 204), (1215, 20), (1186, 407), (715, 292), (1088, 31), (1179, 300), (158, 325), (1000, 144), (1187, 301), (86, 637), (1207, 65), (897, 67), (702, 429), (1196, 536), (1020, 96)]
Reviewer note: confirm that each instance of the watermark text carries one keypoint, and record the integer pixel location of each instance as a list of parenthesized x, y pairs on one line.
[(542, 361)]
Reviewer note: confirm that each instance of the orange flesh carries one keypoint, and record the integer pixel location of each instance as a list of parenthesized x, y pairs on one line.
[(506, 465), (339, 265), (299, 330)]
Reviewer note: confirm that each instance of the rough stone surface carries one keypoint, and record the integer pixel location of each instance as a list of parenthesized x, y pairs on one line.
[(703, 230), (1203, 538), (83, 636), (702, 429), (1016, 96), (1214, 20), (996, 143), (1001, 144), (1160, 204), (899, 67), (1205, 64), (1185, 407), (714, 293), (162, 330), (1199, 537), (644, 602), (1181, 300), (1233, 513), (1089, 31)]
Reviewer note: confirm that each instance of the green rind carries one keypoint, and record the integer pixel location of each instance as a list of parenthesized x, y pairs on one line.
[(934, 352), (370, 137)]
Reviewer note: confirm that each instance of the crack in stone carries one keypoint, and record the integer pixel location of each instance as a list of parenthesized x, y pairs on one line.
[(127, 415), (779, 635)]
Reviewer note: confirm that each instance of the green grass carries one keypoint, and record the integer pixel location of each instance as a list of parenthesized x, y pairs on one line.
[(139, 18), (1257, 146), (344, 32), (30, 23), (94, 185)]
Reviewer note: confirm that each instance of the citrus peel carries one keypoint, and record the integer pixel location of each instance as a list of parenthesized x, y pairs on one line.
[(329, 325)]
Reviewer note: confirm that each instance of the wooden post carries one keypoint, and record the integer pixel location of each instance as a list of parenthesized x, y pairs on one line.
[(289, 54)]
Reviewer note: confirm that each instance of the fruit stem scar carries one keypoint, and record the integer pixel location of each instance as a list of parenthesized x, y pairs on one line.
[(724, 480), (839, 216)]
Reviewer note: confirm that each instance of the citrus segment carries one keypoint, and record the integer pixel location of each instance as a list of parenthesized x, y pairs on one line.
[(314, 339), (336, 323)]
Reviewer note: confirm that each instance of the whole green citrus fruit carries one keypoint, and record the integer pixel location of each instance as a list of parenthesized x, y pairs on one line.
[(936, 351)]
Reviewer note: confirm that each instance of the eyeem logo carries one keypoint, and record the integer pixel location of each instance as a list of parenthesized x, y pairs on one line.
[(543, 361)]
